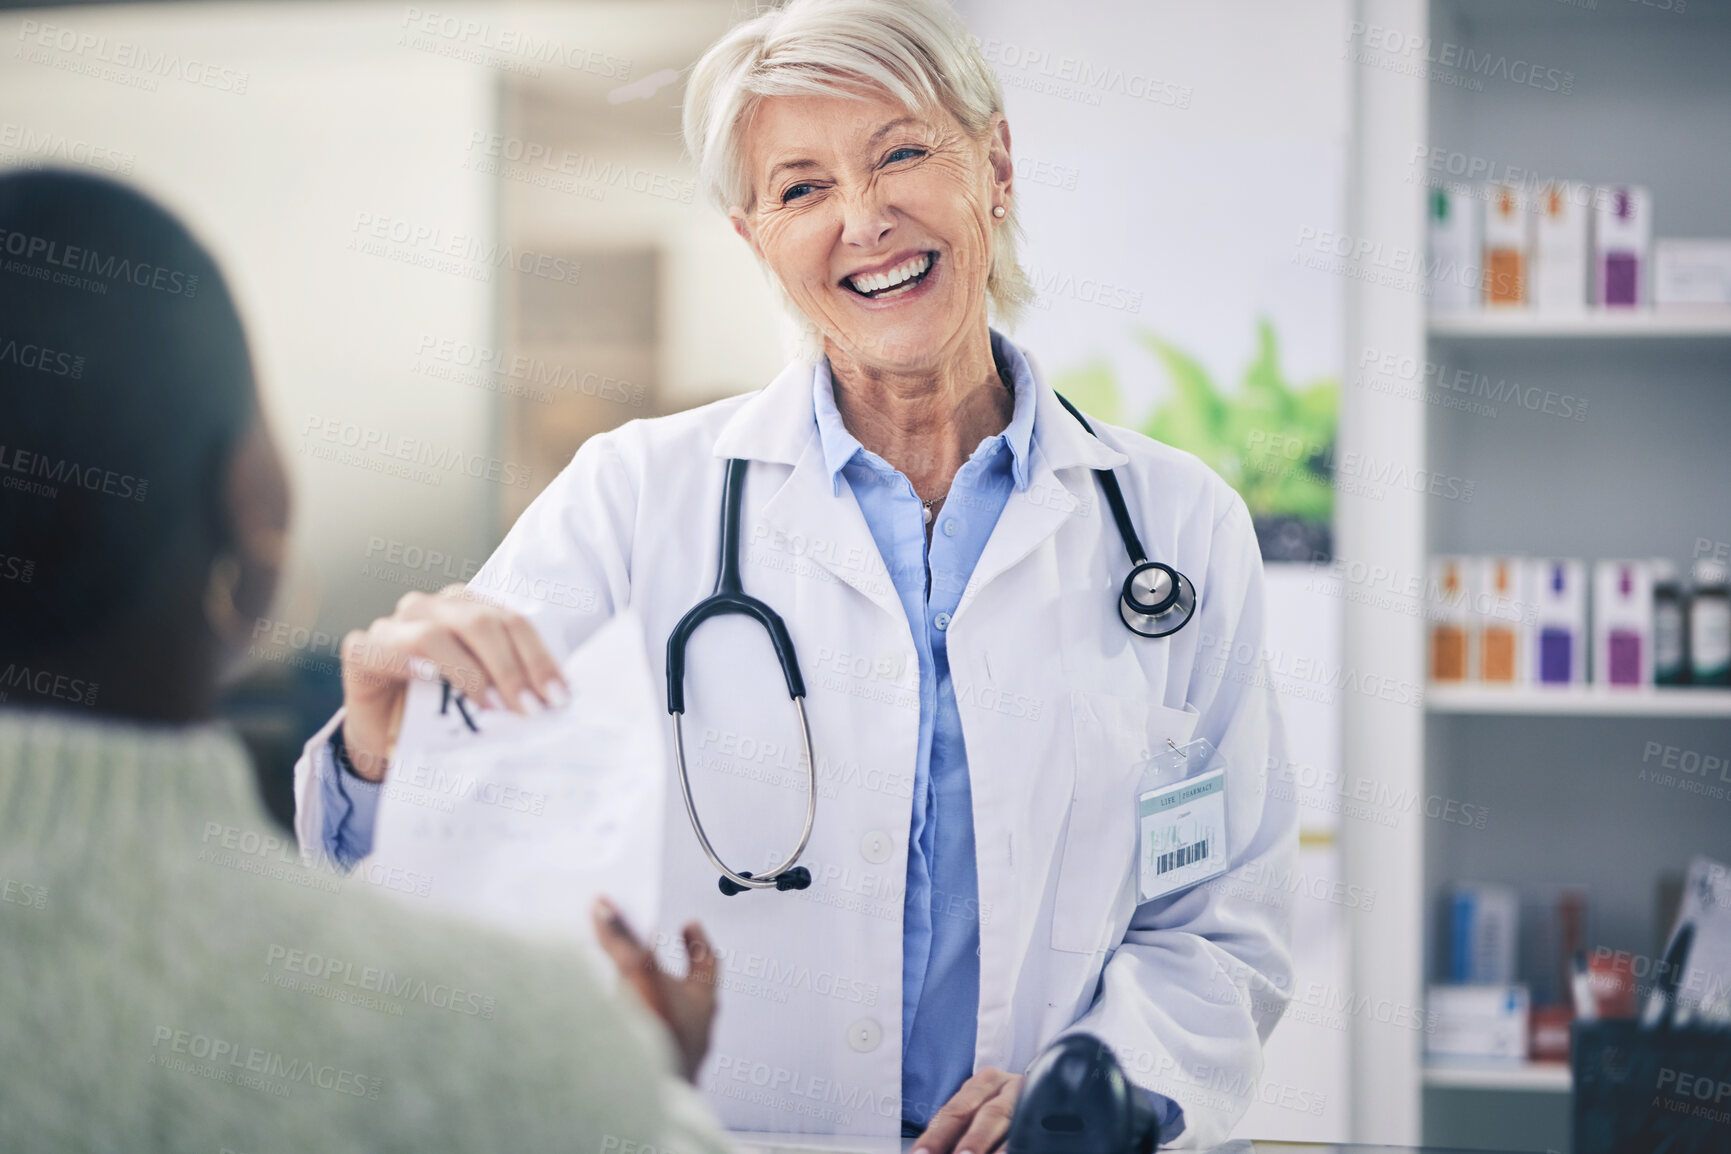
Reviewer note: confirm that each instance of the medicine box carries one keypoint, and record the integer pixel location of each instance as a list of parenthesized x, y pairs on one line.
[(1692, 272), (1456, 273), (1507, 225), (1503, 614), (1479, 1021), (1623, 624), (1558, 588), (1483, 929), (1622, 242), (1562, 214), (1451, 620)]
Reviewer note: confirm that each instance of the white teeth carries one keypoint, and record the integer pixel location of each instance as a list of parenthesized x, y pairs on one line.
[(877, 282)]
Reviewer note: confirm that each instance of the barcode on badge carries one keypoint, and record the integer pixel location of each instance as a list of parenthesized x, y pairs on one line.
[(1179, 858)]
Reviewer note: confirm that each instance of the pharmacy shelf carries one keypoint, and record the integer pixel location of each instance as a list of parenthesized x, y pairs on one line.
[(1585, 702), (1703, 321), (1539, 1077)]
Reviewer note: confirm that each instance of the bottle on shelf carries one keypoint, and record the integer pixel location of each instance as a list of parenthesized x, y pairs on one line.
[(1670, 626), (1710, 625)]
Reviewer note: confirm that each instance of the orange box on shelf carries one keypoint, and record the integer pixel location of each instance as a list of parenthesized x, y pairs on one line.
[(1451, 649), (1508, 228), (1503, 611)]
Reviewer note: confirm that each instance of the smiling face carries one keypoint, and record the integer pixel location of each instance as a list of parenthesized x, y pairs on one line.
[(877, 221)]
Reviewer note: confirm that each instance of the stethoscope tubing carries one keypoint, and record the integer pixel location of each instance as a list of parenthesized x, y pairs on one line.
[(730, 597), (764, 881), (1114, 494)]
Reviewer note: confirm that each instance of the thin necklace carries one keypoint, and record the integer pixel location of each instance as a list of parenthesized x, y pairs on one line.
[(928, 504)]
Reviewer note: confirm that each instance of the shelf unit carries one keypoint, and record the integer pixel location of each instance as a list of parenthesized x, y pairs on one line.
[(1528, 701), (1642, 472), (1705, 321), (1540, 1077), (1562, 772)]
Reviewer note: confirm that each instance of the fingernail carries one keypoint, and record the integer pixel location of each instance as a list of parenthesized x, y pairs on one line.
[(423, 669), (529, 703), (558, 694), (492, 700)]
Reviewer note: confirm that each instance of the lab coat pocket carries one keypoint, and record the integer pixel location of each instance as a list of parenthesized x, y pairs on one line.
[(1096, 889)]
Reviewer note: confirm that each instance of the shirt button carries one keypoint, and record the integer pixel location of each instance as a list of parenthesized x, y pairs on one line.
[(942, 621), (876, 847), (951, 527), (864, 1035)]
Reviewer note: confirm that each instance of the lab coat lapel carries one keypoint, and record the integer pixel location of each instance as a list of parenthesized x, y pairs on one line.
[(1057, 490), (774, 424), (806, 519)]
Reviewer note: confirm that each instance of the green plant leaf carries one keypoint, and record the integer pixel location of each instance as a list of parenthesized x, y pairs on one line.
[(1196, 417), (1270, 441)]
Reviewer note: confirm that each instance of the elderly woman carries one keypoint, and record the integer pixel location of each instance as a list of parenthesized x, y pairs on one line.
[(949, 544)]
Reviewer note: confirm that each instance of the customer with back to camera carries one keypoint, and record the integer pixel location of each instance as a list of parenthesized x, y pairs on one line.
[(168, 982)]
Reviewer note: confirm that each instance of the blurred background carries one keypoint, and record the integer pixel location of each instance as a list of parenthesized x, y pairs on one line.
[(1444, 289)]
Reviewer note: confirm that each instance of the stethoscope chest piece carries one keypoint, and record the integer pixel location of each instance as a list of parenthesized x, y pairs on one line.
[(1157, 600)]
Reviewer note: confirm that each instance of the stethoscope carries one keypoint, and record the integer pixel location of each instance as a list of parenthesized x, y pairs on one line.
[(1156, 600)]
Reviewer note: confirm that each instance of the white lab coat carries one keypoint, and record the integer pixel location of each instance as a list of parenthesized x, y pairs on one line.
[(1059, 702)]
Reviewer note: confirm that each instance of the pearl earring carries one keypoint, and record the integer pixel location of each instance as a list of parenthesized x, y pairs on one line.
[(998, 211)]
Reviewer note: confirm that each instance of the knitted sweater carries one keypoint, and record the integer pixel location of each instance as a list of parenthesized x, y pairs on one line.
[(173, 979)]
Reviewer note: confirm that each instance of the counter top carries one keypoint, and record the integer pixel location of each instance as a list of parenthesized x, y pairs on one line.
[(752, 1143)]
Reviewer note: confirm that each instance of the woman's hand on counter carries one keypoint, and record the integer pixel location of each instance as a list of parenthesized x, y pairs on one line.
[(976, 1120), (493, 655)]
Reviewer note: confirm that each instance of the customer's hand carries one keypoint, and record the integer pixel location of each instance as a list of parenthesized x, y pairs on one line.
[(494, 656), (686, 1005), (976, 1119)]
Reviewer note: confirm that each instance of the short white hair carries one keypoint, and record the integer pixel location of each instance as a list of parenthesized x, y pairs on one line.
[(917, 51)]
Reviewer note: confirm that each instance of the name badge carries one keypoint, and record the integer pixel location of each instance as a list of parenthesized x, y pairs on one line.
[(1181, 829)]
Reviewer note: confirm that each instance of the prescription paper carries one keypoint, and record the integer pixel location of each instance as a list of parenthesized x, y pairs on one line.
[(522, 824)]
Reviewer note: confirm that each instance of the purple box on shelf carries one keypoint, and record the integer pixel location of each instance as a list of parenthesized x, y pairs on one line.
[(1622, 243)]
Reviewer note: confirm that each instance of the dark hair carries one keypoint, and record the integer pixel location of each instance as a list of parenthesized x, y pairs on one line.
[(125, 386)]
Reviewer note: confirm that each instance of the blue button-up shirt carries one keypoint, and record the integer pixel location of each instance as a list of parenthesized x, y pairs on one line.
[(941, 922)]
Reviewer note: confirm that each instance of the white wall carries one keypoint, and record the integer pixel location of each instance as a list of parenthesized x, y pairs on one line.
[(325, 112), (335, 120), (1193, 198)]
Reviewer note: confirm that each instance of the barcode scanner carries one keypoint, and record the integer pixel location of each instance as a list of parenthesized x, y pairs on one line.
[(1076, 1100)]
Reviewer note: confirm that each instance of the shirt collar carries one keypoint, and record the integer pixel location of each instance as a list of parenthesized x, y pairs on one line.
[(840, 446)]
